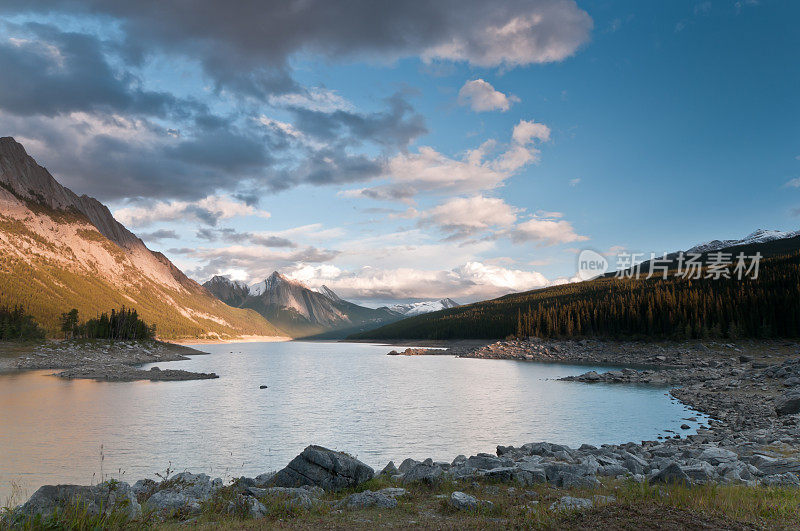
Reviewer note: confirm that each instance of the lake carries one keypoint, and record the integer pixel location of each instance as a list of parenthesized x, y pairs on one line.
[(347, 396)]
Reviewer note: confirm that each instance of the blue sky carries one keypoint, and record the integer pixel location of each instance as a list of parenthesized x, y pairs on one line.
[(439, 155)]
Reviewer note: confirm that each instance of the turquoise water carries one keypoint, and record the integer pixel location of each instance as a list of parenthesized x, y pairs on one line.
[(347, 396)]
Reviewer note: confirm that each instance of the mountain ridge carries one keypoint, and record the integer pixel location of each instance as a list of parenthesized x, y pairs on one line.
[(59, 250)]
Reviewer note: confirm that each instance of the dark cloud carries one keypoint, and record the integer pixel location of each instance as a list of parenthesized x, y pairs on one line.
[(53, 72), (161, 234), (246, 45), (230, 235)]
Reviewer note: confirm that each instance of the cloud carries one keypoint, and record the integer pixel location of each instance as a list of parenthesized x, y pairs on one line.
[(257, 261), (208, 211), (792, 183), (575, 182), (248, 47), (482, 96), (545, 232), (161, 234), (430, 171), (463, 217), (50, 72), (230, 235), (467, 282)]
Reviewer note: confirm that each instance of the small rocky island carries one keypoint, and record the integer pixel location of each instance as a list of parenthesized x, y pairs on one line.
[(105, 360)]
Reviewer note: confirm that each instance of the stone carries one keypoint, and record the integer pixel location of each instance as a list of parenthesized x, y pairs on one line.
[(487, 462), (700, 472), (671, 474), (716, 455), (568, 503), (104, 498), (246, 506), (389, 470), (423, 473), (367, 498), (685, 427), (786, 479), (321, 467), (463, 501), (407, 465), (788, 403)]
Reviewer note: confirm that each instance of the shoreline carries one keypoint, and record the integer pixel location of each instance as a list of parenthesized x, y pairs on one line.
[(241, 339)]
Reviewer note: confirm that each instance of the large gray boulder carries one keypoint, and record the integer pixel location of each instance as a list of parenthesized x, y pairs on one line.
[(382, 499), (788, 403), (671, 474), (105, 498), (424, 473), (321, 467)]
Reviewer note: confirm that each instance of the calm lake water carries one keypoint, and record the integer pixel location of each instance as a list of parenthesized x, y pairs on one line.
[(350, 397)]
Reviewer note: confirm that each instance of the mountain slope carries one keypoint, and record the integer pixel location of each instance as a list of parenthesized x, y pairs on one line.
[(768, 306), (303, 312), (59, 250)]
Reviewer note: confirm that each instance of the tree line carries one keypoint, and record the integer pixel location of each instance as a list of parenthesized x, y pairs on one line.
[(122, 324), (17, 324), (672, 308)]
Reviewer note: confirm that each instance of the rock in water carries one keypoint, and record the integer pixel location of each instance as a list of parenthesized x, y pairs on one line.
[(321, 467)]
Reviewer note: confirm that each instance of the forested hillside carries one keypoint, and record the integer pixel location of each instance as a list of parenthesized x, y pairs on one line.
[(768, 306)]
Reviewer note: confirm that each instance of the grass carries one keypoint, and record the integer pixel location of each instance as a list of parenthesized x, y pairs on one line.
[(637, 506)]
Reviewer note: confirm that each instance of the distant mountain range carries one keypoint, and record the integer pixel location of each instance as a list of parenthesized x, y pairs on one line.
[(759, 236), (299, 310), (767, 306), (304, 312), (60, 251), (418, 308)]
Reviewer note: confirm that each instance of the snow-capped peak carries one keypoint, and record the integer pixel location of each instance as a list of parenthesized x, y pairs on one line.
[(418, 308), (758, 236)]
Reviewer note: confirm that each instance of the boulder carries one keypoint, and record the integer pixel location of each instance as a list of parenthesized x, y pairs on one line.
[(389, 470), (717, 456), (424, 473), (104, 498), (788, 403), (246, 506), (568, 503), (383, 499), (463, 501), (671, 474), (183, 491), (407, 465), (781, 480), (321, 467)]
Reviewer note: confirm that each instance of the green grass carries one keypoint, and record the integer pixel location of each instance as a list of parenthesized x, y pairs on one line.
[(636, 506)]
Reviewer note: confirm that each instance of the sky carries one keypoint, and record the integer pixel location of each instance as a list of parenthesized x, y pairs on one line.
[(400, 151)]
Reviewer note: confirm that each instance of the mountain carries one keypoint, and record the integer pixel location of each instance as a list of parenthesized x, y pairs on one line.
[(418, 308), (301, 311), (231, 292), (674, 308), (60, 251), (759, 236)]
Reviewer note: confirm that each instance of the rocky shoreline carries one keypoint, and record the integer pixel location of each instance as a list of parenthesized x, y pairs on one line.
[(107, 360)]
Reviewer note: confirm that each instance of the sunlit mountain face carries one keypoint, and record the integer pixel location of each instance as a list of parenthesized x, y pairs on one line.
[(471, 157)]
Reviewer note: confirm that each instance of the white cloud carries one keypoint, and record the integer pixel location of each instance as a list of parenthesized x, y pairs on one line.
[(314, 99), (549, 31), (463, 216), (575, 182), (429, 171), (209, 210), (469, 281), (793, 183), (546, 232), (481, 96), (526, 131)]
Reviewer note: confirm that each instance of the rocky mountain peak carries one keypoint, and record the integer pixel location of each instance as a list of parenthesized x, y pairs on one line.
[(25, 179)]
